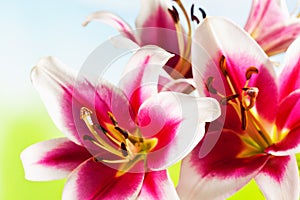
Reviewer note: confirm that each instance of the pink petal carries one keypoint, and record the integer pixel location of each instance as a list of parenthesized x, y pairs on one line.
[(140, 78), (288, 114), (94, 180), (52, 159), (289, 78), (280, 38), (241, 52), (156, 25), (155, 14), (219, 174), (288, 126), (106, 99), (173, 119), (271, 25), (112, 99), (113, 20), (289, 145), (265, 14), (279, 179), (157, 185), (54, 82), (63, 99)]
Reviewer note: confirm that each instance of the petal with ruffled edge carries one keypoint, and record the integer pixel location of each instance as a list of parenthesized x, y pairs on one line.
[(94, 180), (289, 77), (240, 52), (113, 20), (221, 173), (177, 121), (157, 185), (279, 179), (141, 75), (52, 159)]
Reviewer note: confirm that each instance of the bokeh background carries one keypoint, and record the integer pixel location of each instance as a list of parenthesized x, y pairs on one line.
[(35, 28)]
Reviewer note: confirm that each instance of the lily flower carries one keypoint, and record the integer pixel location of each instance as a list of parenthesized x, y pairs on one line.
[(119, 140), (261, 133), (272, 26), (159, 23)]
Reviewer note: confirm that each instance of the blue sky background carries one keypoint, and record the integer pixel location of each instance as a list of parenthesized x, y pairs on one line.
[(32, 29)]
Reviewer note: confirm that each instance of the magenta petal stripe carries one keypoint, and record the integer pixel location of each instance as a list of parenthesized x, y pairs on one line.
[(94, 180), (52, 159)]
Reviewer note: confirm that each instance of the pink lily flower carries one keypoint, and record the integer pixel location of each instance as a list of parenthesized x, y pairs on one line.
[(272, 26), (119, 140), (159, 23), (261, 132)]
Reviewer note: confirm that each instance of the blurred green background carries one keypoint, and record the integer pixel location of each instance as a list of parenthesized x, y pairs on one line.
[(33, 29)]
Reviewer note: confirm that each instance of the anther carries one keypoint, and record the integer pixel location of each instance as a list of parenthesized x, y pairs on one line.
[(112, 118), (225, 100), (96, 159), (87, 137), (250, 71), (98, 126), (124, 149), (194, 18), (222, 64), (123, 132), (203, 13), (174, 14), (210, 87)]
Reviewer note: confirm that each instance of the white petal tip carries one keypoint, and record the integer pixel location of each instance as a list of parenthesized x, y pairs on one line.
[(209, 108)]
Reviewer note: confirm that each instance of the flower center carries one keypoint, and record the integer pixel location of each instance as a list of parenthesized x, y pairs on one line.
[(129, 147), (184, 44), (243, 102)]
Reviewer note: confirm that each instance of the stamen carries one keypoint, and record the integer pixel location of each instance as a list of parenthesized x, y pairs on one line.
[(223, 67), (251, 70), (222, 64), (123, 132), (203, 13), (85, 115), (114, 161), (92, 140), (98, 126), (244, 119), (112, 118), (209, 85), (174, 14), (194, 18), (124, 149), (225, 100), (182, 65)]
